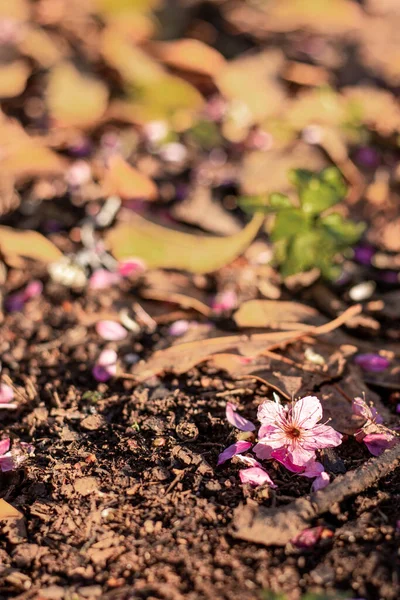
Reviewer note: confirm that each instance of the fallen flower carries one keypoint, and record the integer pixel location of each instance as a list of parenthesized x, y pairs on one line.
[(6, 395), (320, 482), (111, 331), (237, 420), (12, 459), (15, 302), (131, 266), (373, 434), (102, 279), (256, 476), (106, 366), (309, 537), (369, 412), (379, 442), (291, 434), (236, 448), (179, 327), (224, 301), (374, 363)]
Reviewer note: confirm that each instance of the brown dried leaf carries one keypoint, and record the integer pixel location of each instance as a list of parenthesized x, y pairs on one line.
[(13, 78), (189, 55), (175, 288), (29, 244), (74, 99), (127, 182), (7, 511), (378, 109), (379, 47), (39, 45), (276, 314)]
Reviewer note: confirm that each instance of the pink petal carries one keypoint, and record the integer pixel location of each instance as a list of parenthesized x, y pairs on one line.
[(320, 482), (7, 463), (225, 301), (299, 456), (308, 537), (306, 412), (248, 460), (106, 366), (107, 358), (4, 445), (379, 442), (313, 469), (256, 476), (131, 266), (374, 363), (362, 409), (178, 328), (111, 331), (102, 279), (237, 420), (321, 436), (268, 412), (283, 456), (33, 289), (236, 448), (6, 393)]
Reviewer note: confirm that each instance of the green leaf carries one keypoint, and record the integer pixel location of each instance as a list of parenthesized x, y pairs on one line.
[(278, 201), (345, 232), (289, 222), (205, 134), (161, 247)]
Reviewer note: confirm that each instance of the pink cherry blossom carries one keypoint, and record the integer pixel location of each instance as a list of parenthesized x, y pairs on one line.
[(131, 266), (179, 327), (111, 331), (374, 363), (14, 458), (308, 537), (6, 395), (237, 420), (15, 302), (236, 448), (256, 476), (106, 366), (373, 434), (293, 432), (369, 412), (102, 279), (224, 301), (320, 482), (379, 442)]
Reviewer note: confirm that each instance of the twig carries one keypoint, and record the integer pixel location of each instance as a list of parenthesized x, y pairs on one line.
[(278, 526)]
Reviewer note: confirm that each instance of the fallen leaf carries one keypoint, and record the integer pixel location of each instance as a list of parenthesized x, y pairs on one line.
[(376, 108), (252, 82), (29, 244), (165, 248), (17, 9), (175, 288), (127, 182), (7, 511), (189, 55), (276, 314), (39, 45), (74, 99), (13, 78)]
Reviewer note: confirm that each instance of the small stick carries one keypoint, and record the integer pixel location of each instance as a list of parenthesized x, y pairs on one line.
[(278, 526)]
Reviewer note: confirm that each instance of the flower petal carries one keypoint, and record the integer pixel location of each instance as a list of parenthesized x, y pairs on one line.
[(179, 327), (102, 279), (237, 420), (377, 443), (306, 412), (256, 476), (7, 463), (308, 537), (374, 363), (313, 469), (320, 482), (283, 457), (268, 412), (236, 448), (299, 455), (4, 445), (131, 266), (6, 393), (111, 331), (321, 436)]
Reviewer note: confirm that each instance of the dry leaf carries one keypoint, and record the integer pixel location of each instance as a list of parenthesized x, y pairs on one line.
[(13, 78), (127, 182), (39, 45), (166, 248), (17, 9), (251, 84), (176, 288), (30, 244), (276, 314), (378, 109), (189, 55), (74, 99), (7, 511)]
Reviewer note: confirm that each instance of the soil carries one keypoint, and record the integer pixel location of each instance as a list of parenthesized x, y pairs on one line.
[(123, 498)]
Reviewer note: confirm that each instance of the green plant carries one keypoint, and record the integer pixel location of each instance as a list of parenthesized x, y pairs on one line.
[(307, 234)]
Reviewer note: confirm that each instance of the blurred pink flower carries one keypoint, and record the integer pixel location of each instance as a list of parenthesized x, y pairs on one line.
[(237, 420), (106, 366), (6, 395), (309, 537), (102, 279), (179, 327), (131, 266), (292, 433), (15, 302), (224, 301), (111, 331), (374, 363)]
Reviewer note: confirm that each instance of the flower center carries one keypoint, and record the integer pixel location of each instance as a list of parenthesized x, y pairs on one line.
[(293, 432)]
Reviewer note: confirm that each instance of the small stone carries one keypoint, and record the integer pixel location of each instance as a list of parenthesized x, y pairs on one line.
[(85, 485), (187, 431), (53, 592), (90, 591), (92, 423)]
